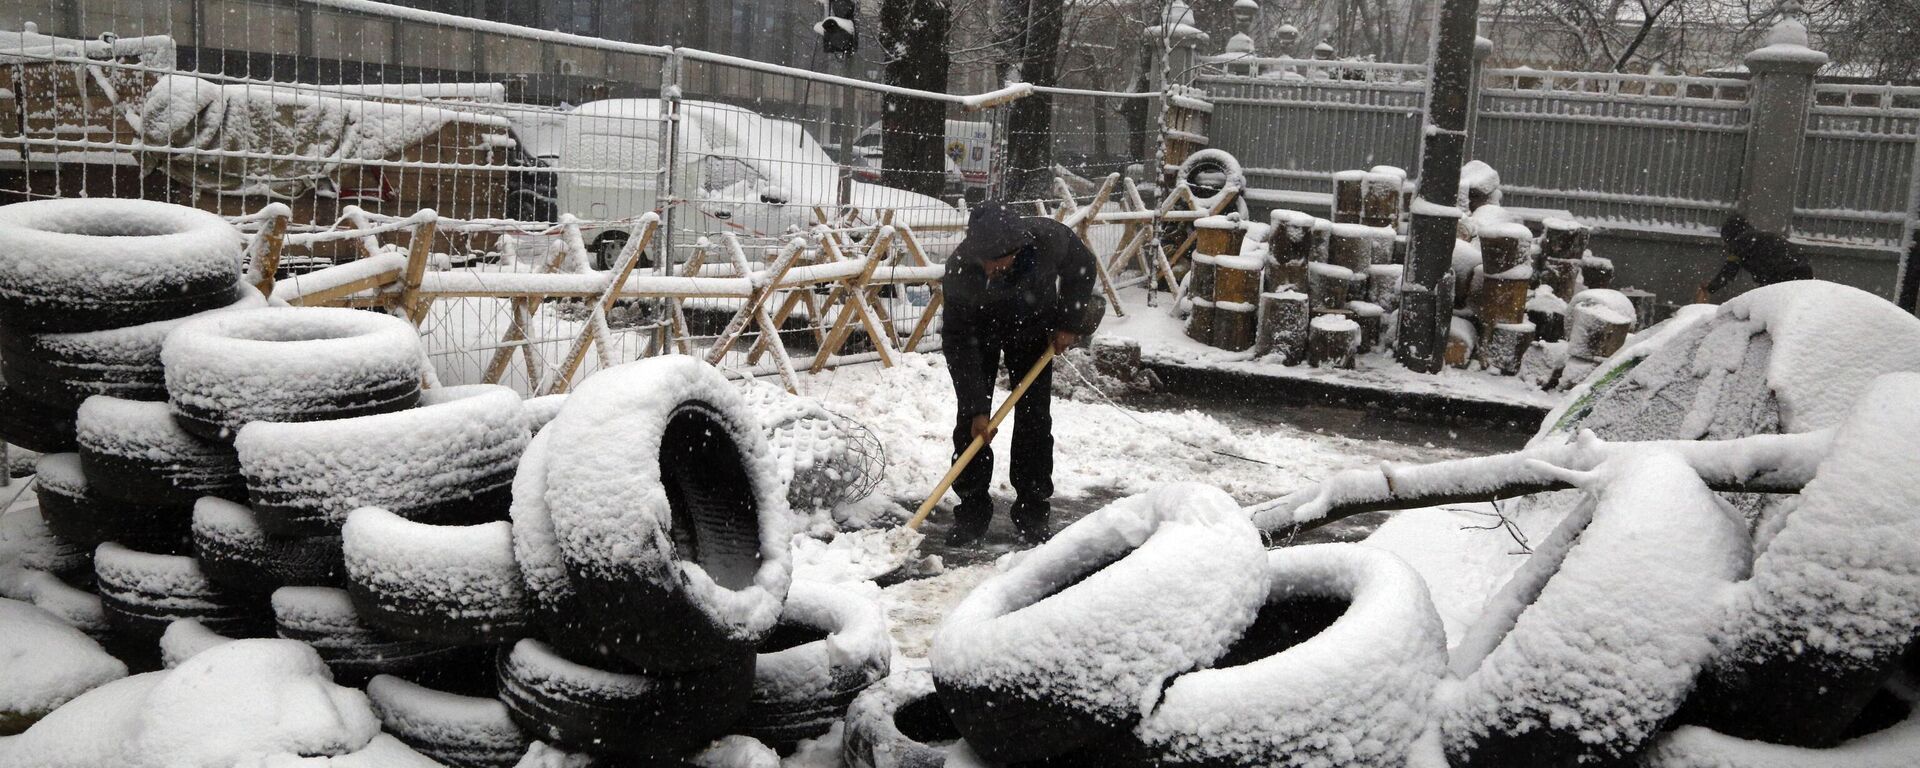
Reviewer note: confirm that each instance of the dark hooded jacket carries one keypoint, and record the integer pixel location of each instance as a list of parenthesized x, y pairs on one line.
[(1769, 257), (1047, 289)]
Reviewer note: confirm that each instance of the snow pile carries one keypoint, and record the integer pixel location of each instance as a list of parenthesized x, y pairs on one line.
[(244, 703), (72, 605), (47, 663), (186, 639), (1602, 649), (1840, 579), (27, 545)]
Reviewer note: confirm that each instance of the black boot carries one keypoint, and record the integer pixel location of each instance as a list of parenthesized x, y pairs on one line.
[(970, 521), (1031, 520)]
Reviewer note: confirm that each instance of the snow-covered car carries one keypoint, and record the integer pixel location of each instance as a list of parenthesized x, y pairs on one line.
[(736, 171)]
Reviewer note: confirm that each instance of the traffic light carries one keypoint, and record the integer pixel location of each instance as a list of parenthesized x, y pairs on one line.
[(838, 32)]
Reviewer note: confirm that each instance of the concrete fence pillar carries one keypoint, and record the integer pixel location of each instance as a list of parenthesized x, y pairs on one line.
[(1778, 97)]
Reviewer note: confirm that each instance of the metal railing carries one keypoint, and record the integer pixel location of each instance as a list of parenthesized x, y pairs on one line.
[(1635, 151)]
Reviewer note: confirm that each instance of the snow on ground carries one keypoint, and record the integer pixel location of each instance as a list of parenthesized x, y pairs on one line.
[(1097, 447)]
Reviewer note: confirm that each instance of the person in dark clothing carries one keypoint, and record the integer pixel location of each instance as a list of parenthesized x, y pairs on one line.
[(1013, 287), (1769, 257)]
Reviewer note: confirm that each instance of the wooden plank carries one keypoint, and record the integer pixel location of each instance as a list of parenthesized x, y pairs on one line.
[(854, 300), (335, 295), (523, 309), (926, 319), (577, 354), (755, 306), (419, 250), (273, 239)]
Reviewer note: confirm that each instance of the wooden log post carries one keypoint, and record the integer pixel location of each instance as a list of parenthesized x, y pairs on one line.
[(1541, 364), (267, 248), (1369, 316), (1502, 251), (1564, 238), (1289, 248), (1200, 321), (1596, 272), (1328, 285), (1219, 235), (1349, 196), (1467, 261), (1644, 303), (1380, 198), (1332, 341), (1462, 339), (1357, 246), (1383, 285), (1116, 357), (1236, 279), (1200, 276), (1502, 298), (1598, 322), (1233, 325), (1284, 318), (1548, 314), (1506, 344), (1562, 275)]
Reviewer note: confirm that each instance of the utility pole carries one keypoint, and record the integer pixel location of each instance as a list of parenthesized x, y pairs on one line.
[(1426, 304)]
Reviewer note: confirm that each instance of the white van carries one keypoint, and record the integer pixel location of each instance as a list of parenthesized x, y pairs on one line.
[(737, 171), (971, 166)]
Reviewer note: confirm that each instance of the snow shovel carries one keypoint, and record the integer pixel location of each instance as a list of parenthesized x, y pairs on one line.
[(897, 546)]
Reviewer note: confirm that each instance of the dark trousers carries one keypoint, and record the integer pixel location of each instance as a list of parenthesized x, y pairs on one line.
[(1032, 468)]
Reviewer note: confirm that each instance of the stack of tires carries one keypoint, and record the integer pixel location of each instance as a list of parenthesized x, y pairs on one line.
[(88, 290), (652, 533), (1158, 631)]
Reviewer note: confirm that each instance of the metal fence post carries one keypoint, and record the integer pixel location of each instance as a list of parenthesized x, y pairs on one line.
[(668, 197), (1482, 50), (1781, 93)]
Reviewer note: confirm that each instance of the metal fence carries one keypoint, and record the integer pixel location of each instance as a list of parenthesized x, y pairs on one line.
[(357, 114), (1860, 169), (1634, 151)]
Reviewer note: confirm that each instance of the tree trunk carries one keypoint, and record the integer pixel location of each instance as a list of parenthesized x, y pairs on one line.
[(913, 131), (1030, 120)]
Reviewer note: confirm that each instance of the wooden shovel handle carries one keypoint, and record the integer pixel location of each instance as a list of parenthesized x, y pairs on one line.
[(980, 441)]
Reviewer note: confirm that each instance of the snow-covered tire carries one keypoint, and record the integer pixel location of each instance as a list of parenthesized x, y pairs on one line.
[(185, 639), (34, 425), (143, 592), (543, 572), (1829, 613), (671, 522), (1319, 678), (88, 265), (75, 513), (633, 714), (1210, 162), (452, 585), (828, 647), (64, 369), (898, 723), (325, 618), (450, 462), (1892, 745), (238, 555), (1595, 642), (227, 369), (1058, 652), (458, 731), (135, 452)]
